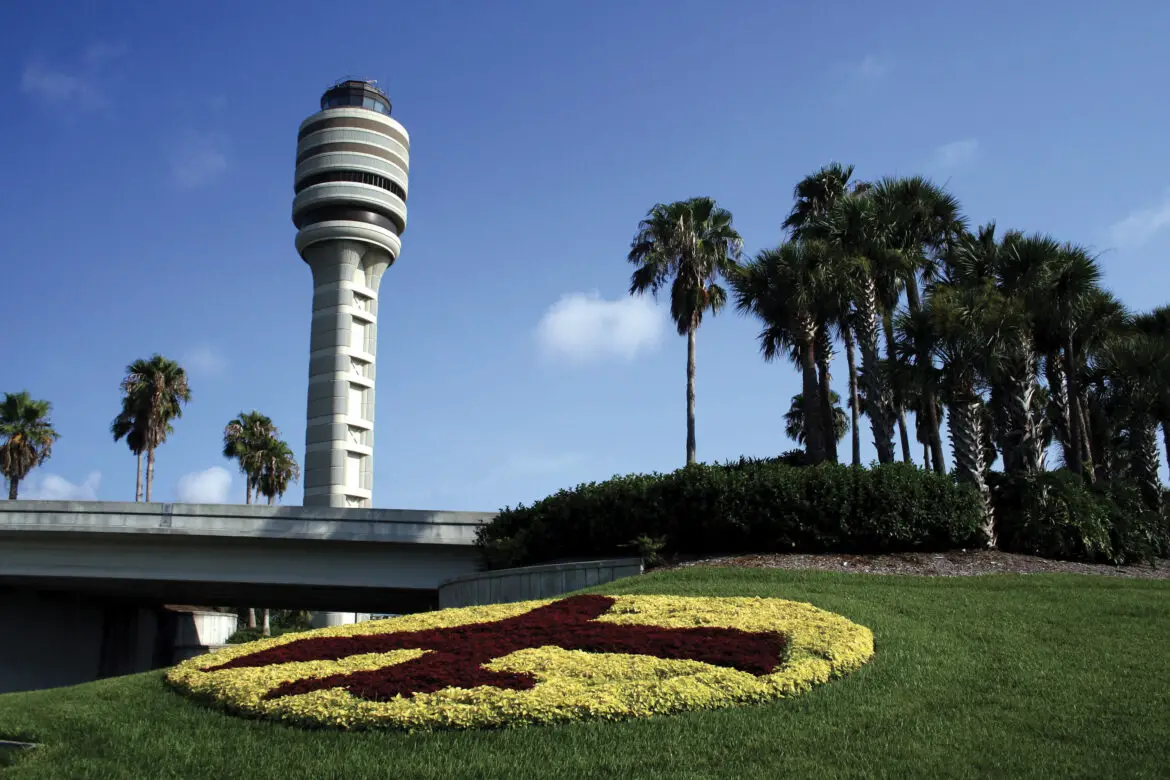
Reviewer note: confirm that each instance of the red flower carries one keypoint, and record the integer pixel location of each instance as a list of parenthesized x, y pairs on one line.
[(458, 654)]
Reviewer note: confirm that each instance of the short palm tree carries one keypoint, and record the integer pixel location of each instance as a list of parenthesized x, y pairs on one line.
[(783, 288), (155, 390), (244, 440), (794, 423), (28, 437), (1137, 369), (689, 245), (278, 468)]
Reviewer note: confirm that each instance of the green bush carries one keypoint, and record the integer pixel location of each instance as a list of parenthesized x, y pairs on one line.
[(749, 506), (1055, 515)]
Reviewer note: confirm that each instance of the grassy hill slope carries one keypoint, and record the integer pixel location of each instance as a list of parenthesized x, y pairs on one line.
[(1021, 676)]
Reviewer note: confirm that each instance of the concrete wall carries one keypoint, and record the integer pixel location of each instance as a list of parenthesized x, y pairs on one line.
[(329, 619), (502, 586)]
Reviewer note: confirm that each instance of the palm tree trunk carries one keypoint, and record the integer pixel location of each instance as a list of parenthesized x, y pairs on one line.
[(824, 352), (1145, 461), (965, 425), (854, 400), (691, 395), (267, 622), (878, 400), (1087, 466), (813, 429), (13, 483), (1075, 422), (933, 426), (904, 435), (272, 499), (138, 480), (1166, 437), (149, 471), (251, 617), (247, 489), (897, 405), (1058, 411), (926, 456)]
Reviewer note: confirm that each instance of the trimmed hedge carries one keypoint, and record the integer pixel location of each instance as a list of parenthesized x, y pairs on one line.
[(758, 506), (1055, 515)]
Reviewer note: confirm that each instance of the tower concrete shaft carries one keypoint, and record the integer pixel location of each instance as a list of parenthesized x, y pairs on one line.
[(350, 209)]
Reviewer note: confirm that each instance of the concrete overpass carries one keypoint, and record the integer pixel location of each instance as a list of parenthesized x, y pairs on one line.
[(321, 558), (82, 583)]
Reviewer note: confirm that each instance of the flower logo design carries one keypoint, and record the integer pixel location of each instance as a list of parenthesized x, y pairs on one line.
[(588, 656), (458, 654)]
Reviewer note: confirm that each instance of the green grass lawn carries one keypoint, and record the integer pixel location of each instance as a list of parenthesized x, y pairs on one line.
[(1008, 676)]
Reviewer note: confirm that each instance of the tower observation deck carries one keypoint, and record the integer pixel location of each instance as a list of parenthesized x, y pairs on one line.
[(349, 208)]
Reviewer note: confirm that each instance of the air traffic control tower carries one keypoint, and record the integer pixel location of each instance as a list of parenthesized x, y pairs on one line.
[(350, 211)]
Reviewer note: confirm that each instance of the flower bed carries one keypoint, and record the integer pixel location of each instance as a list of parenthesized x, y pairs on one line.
[(586, 656)]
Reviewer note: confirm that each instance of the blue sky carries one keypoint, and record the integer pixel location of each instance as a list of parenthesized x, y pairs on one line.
[(148, 157)]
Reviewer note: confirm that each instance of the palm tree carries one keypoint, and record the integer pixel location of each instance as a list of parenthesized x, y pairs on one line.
[(815, 196), (244, 440), (155, 390), (794, 423), (689, 244), (131, 426), (920, 221), (28, 437), (278, 467), (850, 228), (1156, 325), (1016, 270), (1138, 371), (783, 288), (966, 322)]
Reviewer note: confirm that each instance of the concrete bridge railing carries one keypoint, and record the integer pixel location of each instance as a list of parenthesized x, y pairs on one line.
[(503, 586)]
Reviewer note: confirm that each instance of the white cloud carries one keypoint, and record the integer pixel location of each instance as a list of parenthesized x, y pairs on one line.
[(79, 86), (583, 328), (1142, 224), (197, 159), (51, 487), (204, 487), (204, 360), (956, 153)]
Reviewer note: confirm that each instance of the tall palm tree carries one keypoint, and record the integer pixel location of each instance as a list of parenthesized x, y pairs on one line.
[(1017, 270), (131, 425), (814, 197), (794, 422), (922, 222), (966, 322), (156, 389), (689, 244), (278, 468), (783, 288), (851, 229), (245, 439), (28, 437)]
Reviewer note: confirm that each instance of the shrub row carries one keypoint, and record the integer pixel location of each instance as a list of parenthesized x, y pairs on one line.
[(1055, 515), (757, 506)]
